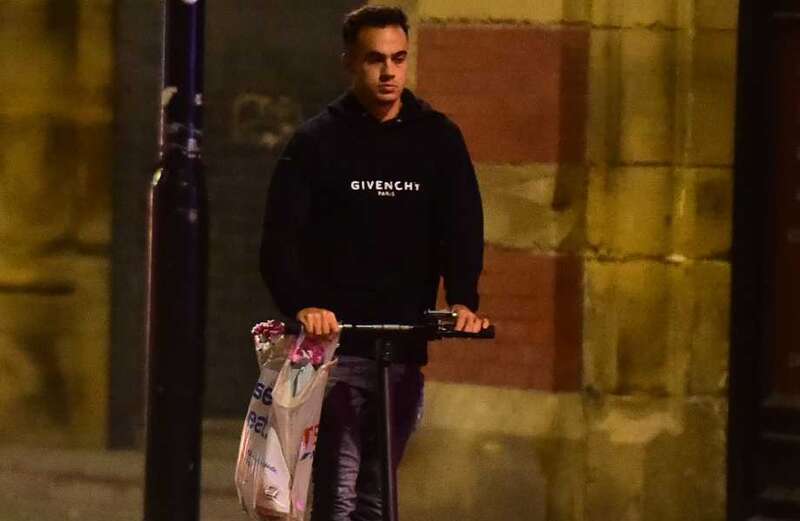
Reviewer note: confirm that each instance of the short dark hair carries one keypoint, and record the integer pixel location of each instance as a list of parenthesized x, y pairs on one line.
[(371, 16)]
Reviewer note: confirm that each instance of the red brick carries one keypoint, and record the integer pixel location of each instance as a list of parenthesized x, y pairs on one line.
[(535, 302), (518, 93), (499, 365)]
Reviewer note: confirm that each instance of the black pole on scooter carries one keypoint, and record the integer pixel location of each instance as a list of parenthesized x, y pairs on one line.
[(384, 349), (437, 325)]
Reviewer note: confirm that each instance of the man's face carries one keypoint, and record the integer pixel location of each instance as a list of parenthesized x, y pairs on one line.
[(377, 63)]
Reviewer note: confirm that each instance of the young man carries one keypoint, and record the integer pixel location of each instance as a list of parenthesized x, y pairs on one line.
[(372, 201)]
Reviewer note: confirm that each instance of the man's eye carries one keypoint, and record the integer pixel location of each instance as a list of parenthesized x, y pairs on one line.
[(399, 59)]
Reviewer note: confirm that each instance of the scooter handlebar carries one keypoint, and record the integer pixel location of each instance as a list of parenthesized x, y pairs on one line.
[(434, 332)]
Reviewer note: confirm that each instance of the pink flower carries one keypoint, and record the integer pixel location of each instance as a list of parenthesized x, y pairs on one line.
[(265, 331), (307, 351)]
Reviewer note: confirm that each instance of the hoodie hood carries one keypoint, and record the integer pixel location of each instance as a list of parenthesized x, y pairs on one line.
[(347, 106)]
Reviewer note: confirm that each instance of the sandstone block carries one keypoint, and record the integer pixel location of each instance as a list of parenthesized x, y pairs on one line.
[(647, 95), (706, 97), (702, 296), (36, 337), (657, 328), (514, 412), (601, 318), (702, 212), (484, 452), (86, 366), (661, 96), (32, 64), (471, 477), (54, 353), (36, 200), (629, 210), (631, 96), (626, 347), (95, 49), (716, 14), (638, 448), (708, 14), (634, 13), (603, 131), (535, 207), (93, 185), (511, 10), (659, 211)]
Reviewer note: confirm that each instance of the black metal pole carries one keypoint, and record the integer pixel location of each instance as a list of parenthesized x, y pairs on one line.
[(177, 251), (384, 357)]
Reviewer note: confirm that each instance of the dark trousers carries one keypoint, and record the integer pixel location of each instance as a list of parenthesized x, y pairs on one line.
[(347, 460)]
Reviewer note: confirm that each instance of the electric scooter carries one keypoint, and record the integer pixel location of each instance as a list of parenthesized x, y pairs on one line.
[(436, 325)]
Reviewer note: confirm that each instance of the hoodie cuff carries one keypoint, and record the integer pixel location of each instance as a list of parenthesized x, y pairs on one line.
[(471, 300)]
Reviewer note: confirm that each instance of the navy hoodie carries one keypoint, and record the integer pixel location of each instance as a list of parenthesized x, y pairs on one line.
[(364, 217)]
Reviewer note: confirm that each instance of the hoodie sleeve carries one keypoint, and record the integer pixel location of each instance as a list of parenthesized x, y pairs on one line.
[(286, 218), (462, 227)]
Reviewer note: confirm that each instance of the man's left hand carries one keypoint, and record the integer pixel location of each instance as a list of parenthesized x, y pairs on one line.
[(467, 320)]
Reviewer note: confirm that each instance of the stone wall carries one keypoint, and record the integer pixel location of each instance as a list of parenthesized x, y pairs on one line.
[(602, 133), (55, 133)]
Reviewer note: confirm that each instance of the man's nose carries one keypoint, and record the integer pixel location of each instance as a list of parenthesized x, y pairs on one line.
[(387, 71)]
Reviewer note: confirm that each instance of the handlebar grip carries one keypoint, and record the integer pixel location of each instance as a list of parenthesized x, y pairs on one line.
[(487, 333), (293, 327)]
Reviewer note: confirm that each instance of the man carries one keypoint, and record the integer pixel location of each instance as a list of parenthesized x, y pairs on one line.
[(372, 201)]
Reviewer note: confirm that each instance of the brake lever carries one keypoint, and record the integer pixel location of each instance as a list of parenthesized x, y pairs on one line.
[(440, 315)]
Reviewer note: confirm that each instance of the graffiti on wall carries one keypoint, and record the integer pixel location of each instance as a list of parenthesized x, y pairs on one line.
[(263, 120)]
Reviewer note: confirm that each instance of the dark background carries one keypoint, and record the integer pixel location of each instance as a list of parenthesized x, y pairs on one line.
[(269, 65)]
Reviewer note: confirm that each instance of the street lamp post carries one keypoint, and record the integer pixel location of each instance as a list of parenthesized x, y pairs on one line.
[(177, 254)]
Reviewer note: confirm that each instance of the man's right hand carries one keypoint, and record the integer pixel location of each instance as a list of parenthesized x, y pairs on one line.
[(318, 321)]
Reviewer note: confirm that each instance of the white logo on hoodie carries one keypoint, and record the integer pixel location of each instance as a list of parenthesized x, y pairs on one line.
[(385, 188)]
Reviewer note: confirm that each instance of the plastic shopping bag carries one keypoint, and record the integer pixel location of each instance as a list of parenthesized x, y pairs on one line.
[(276, 451), (295, 417), (272, 348)]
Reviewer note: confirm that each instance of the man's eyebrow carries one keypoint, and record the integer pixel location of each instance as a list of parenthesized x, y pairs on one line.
[(377, 54)]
